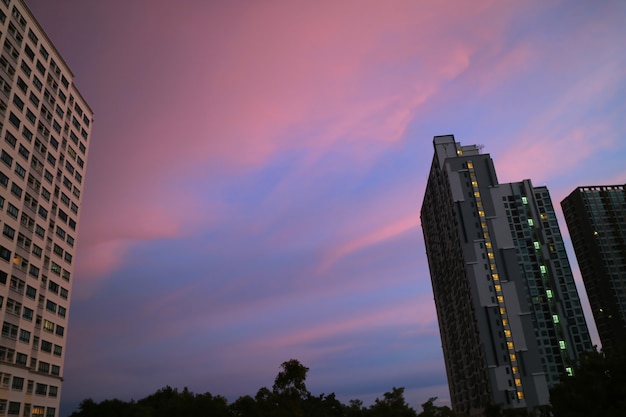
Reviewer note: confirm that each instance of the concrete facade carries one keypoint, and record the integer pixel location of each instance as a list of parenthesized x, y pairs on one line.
[(596, 219), (509, 314), (44, 138)]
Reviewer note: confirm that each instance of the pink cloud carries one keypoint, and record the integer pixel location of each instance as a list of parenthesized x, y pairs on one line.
[(371, 238)]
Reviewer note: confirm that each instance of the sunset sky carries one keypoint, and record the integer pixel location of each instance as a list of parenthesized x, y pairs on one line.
[(257, 168)]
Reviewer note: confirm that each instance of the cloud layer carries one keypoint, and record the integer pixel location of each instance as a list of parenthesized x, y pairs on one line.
[(256, 172)]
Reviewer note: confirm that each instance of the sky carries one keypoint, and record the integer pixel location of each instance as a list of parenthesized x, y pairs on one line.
[(256, 171)]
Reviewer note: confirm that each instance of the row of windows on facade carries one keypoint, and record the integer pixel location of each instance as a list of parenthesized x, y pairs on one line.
[(16, 308), (9, 355), (13, 408), (13, 332), (16, 383), (20, 287), (22, 264)]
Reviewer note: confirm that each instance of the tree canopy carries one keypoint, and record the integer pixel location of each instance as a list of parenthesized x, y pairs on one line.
[(289, 397)]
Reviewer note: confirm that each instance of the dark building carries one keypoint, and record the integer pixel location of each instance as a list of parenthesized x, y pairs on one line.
[(509, 314), (596, 219)]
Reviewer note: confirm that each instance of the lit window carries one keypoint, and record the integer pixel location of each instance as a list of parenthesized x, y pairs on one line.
[(481, 213), (555, 318), (488, 245), (502, 310), (536, 245), (569, 371), (515, 370), (562, 344), (500, 299), (477, 194), (496, 277), (474, 183), (490, 255), (518, 382), (549, 293), (524, 200), (509, 345), (505, 322), (492, 266), (507, 334), (513, 357), (543, 269), (498, 287), (520, 395), (470, 164), (531, 222)]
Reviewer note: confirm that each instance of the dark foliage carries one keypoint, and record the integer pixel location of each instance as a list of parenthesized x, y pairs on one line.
[(598, 387), (289, 397)]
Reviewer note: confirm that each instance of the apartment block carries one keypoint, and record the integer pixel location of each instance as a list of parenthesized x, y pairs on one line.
[(596, 219), (509, 314), (44, 136)]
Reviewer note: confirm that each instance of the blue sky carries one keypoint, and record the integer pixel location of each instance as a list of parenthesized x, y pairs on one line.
[(256, 172)]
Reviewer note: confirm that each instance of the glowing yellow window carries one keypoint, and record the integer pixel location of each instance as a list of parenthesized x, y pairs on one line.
[(492, 266), (483, 224), (513, 357), (520, 395), (474, 183), (479, 204), (481, 213), (490, 255), (459, 152), (498, 287), (477, 194), (505, 322), (486, 235), (488, 245), (470, 164), (507, 333), (509, 345), (518, 382), (500, 299), (495, 277), (515, 370), (502, 310)]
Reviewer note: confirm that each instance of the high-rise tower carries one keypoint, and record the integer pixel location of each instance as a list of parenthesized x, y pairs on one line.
[(44, 136), (509, 314), (596, 219)]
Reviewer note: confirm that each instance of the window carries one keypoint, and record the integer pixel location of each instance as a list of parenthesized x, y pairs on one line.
[(24, 336), (19, 170), (51, 306), (41, 389), (24, 66), (23, 152), (18, 383), (27, 314), (4, 180), (46, 346), (37, 251), (48, 326), (67, 257), (62, 311), (58, 350), (8, 231), (5, 253), (16, 190), (60, 330), (21, 359), (37, 83), (30, 291), (56, 268), (7, 159), (18, 102), (53, 286), (52, 392), (56, 370), (14, 408), (9, 330), (64, 293)]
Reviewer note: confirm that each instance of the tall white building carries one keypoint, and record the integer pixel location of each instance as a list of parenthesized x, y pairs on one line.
[(44, 136)]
